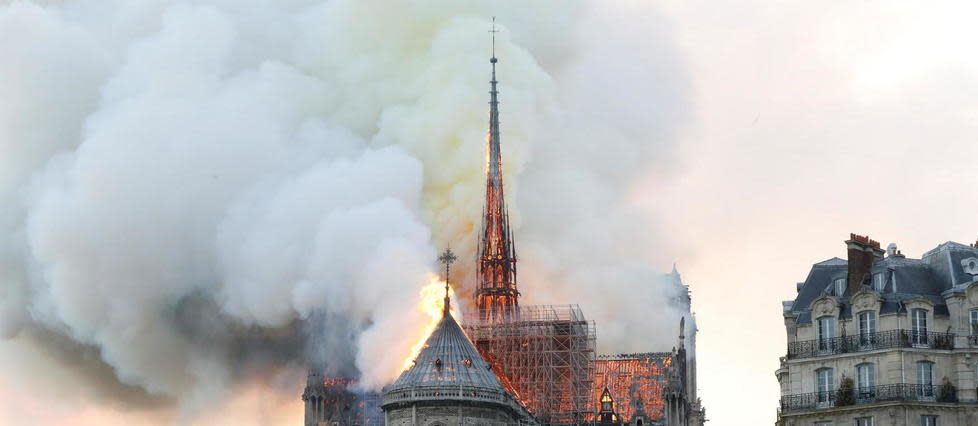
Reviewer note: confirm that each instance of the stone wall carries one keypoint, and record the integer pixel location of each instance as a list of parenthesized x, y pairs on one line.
[(449, 415)]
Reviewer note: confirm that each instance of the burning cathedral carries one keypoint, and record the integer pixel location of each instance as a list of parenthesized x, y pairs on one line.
[(512, 364)]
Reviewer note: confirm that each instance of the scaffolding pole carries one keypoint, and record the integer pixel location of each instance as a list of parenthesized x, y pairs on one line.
[(545, 355)]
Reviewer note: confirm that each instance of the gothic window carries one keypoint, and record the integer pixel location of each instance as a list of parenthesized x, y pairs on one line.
[(607, 403)]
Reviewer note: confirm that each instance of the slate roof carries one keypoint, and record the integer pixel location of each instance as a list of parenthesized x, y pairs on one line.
[(946, 261), (448, 358), (937, 272), (819, 279)]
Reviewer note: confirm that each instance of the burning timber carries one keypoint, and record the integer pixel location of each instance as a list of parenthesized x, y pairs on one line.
[(512, 364)]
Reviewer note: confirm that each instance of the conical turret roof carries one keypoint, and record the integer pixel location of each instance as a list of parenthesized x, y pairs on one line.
[(448, 358)]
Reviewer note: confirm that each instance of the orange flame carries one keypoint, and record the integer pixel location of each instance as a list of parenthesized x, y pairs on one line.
[(431, 301)]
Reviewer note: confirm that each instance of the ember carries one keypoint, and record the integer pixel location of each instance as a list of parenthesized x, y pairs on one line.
[(636, 382)]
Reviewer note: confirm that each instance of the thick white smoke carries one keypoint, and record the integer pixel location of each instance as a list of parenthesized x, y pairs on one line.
[(198, 194)]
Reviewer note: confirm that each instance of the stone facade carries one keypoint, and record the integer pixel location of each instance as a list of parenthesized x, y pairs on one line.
[(448, 414), (896, 346)]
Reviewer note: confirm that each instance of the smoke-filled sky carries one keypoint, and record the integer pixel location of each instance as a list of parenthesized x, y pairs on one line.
[(198, 198), (201, 199)]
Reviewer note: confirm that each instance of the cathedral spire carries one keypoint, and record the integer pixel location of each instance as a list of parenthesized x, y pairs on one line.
[(496, 295)]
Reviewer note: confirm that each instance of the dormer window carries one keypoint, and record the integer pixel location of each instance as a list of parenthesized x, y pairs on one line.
[(607, 414), (840, 286), (878, 282)]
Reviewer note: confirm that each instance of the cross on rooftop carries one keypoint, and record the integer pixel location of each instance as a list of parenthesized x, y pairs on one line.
[(493, 31), (448, 258)]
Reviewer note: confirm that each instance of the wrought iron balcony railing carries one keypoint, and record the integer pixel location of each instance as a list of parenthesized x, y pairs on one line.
[(869, 395), (870, 341)]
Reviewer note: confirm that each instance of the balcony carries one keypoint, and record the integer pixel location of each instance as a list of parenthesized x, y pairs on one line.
[(869, 342), (870, 395)]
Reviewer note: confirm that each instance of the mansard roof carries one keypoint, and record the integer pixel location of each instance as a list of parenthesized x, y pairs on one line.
[(938, 271)]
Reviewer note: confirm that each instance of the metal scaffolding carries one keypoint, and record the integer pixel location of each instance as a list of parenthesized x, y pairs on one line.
[(545, 356), (636, 382)]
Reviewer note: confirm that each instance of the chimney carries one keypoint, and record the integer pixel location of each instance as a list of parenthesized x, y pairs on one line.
[(862, 253)]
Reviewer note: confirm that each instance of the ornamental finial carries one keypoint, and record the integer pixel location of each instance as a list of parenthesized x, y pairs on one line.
[(448, 258), (493, 31)]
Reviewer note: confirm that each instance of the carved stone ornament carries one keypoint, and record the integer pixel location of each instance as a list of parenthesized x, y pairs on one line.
[(825, 307), (864, 302), (970, 265)]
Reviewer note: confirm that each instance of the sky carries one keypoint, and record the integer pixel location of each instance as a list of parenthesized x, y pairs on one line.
[(779, 127), (810, 121)]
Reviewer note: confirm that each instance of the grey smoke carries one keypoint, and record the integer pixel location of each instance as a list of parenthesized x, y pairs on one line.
[(195, 194)]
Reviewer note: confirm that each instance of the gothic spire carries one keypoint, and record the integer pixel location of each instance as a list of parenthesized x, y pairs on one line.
[(496, 295)]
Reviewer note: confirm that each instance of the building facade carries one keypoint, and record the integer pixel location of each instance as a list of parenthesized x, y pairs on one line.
[(883, 339)]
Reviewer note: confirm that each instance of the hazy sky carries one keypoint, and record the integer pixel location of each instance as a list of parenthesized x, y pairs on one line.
[(810, 120), (796, 123)]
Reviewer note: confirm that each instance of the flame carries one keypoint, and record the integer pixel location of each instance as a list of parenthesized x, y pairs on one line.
[(431, 301)]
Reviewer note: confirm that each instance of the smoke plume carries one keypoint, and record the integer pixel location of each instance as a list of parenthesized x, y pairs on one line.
[(202, 196)]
